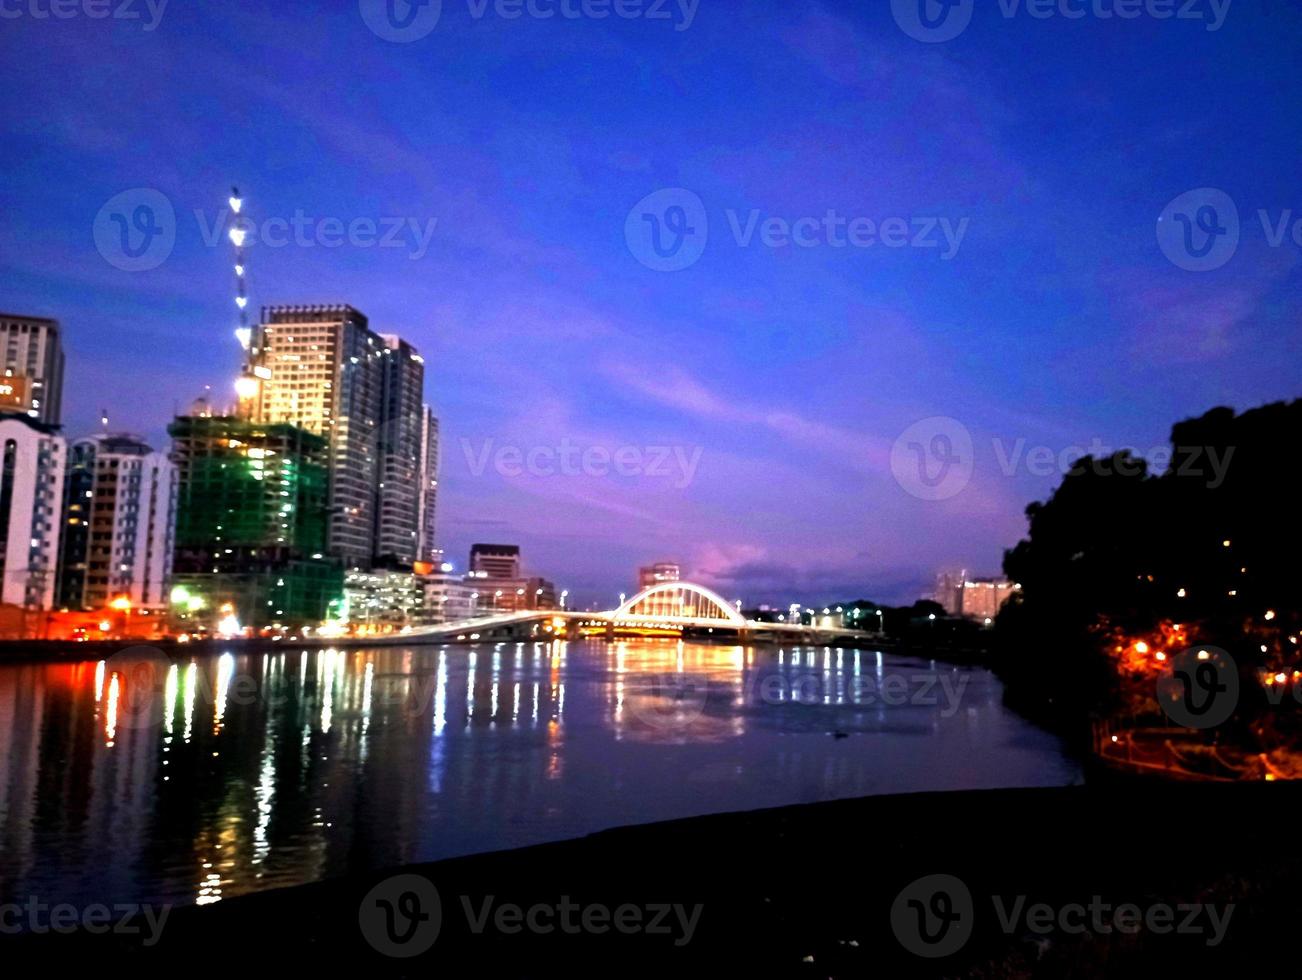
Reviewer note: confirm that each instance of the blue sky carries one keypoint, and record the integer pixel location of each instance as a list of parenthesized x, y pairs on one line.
[(778, 378)]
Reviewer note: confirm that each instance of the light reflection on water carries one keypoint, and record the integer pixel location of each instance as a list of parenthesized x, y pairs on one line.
[(190, 781)]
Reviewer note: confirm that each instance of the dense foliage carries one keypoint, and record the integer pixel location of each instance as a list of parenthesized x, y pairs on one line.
[(1119, 557)]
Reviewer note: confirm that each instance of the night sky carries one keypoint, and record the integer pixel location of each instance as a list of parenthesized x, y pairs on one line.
[(783, 373)]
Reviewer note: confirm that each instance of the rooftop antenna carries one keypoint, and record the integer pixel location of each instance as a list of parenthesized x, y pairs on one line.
[(247, 386)]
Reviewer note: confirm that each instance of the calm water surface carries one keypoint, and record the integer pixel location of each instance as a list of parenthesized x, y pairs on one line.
[(213, 776)]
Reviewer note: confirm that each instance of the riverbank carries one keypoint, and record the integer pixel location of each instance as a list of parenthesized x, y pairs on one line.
[(804, 891)]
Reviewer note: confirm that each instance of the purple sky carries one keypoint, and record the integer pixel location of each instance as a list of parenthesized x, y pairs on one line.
[(777, 376)]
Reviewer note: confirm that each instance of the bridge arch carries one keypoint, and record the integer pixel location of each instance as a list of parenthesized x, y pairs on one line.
[(692, 601)]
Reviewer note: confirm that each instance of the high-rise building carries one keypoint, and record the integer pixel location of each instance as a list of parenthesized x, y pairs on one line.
[(495, 561), (251, 525), (429, 487), (322, 369), (33, 458), (31, 367), (662, 571), (119, 517), (400, 456), (982, 598)]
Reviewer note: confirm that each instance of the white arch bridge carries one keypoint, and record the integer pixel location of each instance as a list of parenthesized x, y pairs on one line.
[(666, 608)]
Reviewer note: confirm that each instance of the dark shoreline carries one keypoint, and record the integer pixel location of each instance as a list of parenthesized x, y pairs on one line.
[(816, 880)]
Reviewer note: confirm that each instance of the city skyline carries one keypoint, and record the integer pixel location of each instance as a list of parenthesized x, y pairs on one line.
[(541, 325)]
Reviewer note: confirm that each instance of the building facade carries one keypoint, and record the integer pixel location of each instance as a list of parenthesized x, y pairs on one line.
[(33, 458), (400, 456), (982, 598), (662, 571), (383, 600), (252, 522), (321, 368), (495, 561), (448, 598), (429, 488), (31, 367), (119, 518)]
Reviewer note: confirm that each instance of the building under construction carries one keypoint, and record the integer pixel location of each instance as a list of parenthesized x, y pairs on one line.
[(252, 520)]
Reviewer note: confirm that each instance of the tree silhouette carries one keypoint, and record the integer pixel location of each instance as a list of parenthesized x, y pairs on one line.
[(1212, 544)]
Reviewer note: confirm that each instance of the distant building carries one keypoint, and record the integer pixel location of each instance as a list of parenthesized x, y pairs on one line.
[(497, 575), (31, 367), (504, 595), (448, 597), (252, 524), (664, 571), (33, 458), (383, 600), (427, 503), (949, 586), (495, 561), (981, 598), (119, 517)]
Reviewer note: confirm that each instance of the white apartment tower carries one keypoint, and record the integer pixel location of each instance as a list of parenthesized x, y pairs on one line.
[(31, 502), (119, 524)]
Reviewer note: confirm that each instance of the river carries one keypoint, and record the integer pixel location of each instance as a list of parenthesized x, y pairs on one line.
[(147, 780)]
